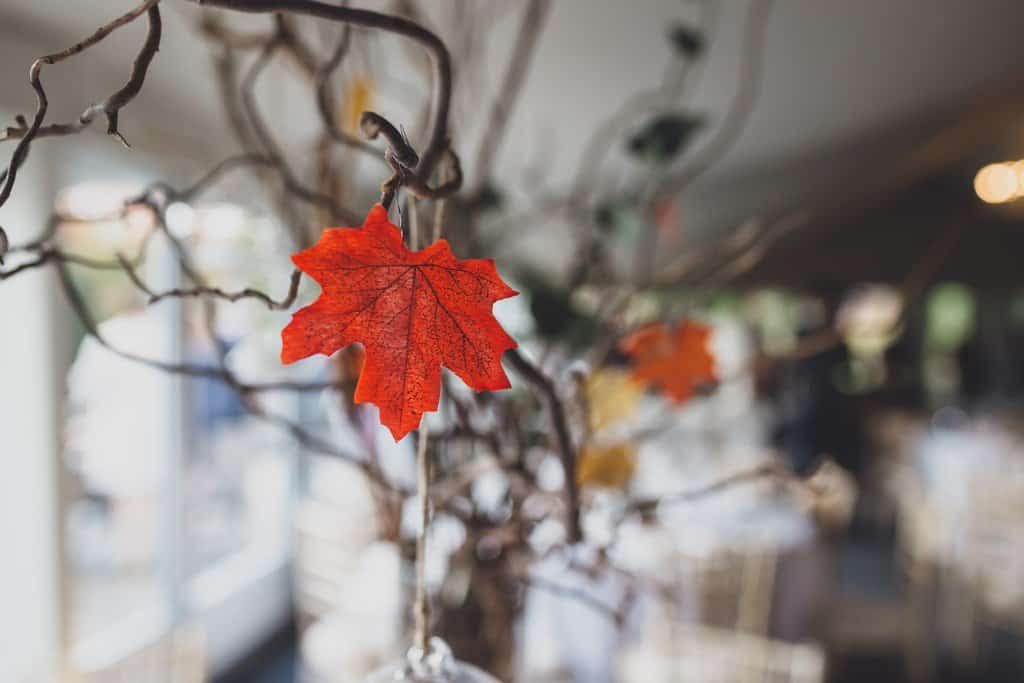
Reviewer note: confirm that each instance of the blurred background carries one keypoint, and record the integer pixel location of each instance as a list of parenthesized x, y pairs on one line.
[(846, 215)]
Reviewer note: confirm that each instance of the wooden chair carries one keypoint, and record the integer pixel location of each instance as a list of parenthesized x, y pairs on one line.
[(729, 640)]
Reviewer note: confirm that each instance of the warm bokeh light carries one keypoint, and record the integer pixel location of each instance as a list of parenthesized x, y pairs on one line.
[(1018, 168), (998, 183)]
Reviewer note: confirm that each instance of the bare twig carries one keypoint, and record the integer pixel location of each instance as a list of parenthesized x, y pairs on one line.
[(215, 292), (110, 107), (83, 314), (221, 374), (293, 43), (766, 471), (438, 141), (314, 443), (435, 174), (563, 440), (518, 66), (42, 259), (273, 152), (211, 27), (403, 158), (729, 131), (677, 76), (579, 595), (325, 100), (725, 137)]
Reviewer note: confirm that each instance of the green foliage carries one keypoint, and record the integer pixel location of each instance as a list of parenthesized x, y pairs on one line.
[(725, 302), (556, 317), (949, 321), (619, 218), (662, 138), (775, 315), (687, 41)]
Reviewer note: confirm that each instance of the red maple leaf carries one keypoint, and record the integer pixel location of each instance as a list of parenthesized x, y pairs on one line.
[(413, 311), (677, 361)]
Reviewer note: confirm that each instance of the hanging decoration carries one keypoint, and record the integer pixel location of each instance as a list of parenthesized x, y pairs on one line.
[(435, 665), (676, 361), (608, 458), (413, 311)]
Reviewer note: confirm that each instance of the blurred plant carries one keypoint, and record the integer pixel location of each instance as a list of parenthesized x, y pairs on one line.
[(664, 137), (687, 41), (594, 307)]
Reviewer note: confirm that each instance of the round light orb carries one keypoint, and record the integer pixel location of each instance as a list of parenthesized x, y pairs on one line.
[(437, 665), (997, 183)]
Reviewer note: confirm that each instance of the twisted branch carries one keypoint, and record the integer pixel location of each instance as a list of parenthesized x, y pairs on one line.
[(563, 440), (441, 61), (109, 107), (518, 66)]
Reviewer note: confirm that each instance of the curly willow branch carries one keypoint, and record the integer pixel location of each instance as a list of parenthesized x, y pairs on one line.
[(563, 440), (109, 107), (441, 61)]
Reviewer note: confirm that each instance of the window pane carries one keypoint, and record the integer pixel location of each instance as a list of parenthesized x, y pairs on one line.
[(238, 468), (117, 443), (120, 423)]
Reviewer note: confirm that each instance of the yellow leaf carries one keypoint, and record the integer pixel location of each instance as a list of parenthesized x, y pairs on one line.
[(610, 467), (612, 396), (358, 98)]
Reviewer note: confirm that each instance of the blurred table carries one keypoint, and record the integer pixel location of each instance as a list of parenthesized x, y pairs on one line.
[(747, 556), (960, 494)]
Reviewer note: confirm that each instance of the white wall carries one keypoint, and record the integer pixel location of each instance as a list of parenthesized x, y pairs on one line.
[(30, 624), (36, 345)]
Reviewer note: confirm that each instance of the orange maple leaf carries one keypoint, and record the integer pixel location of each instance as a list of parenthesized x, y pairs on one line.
[(413, 311), (677, 361)]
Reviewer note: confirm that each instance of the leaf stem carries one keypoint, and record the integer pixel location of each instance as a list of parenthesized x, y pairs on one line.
[(422, 605)]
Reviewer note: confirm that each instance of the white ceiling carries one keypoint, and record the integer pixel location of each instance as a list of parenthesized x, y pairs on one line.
[(838, 75)]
